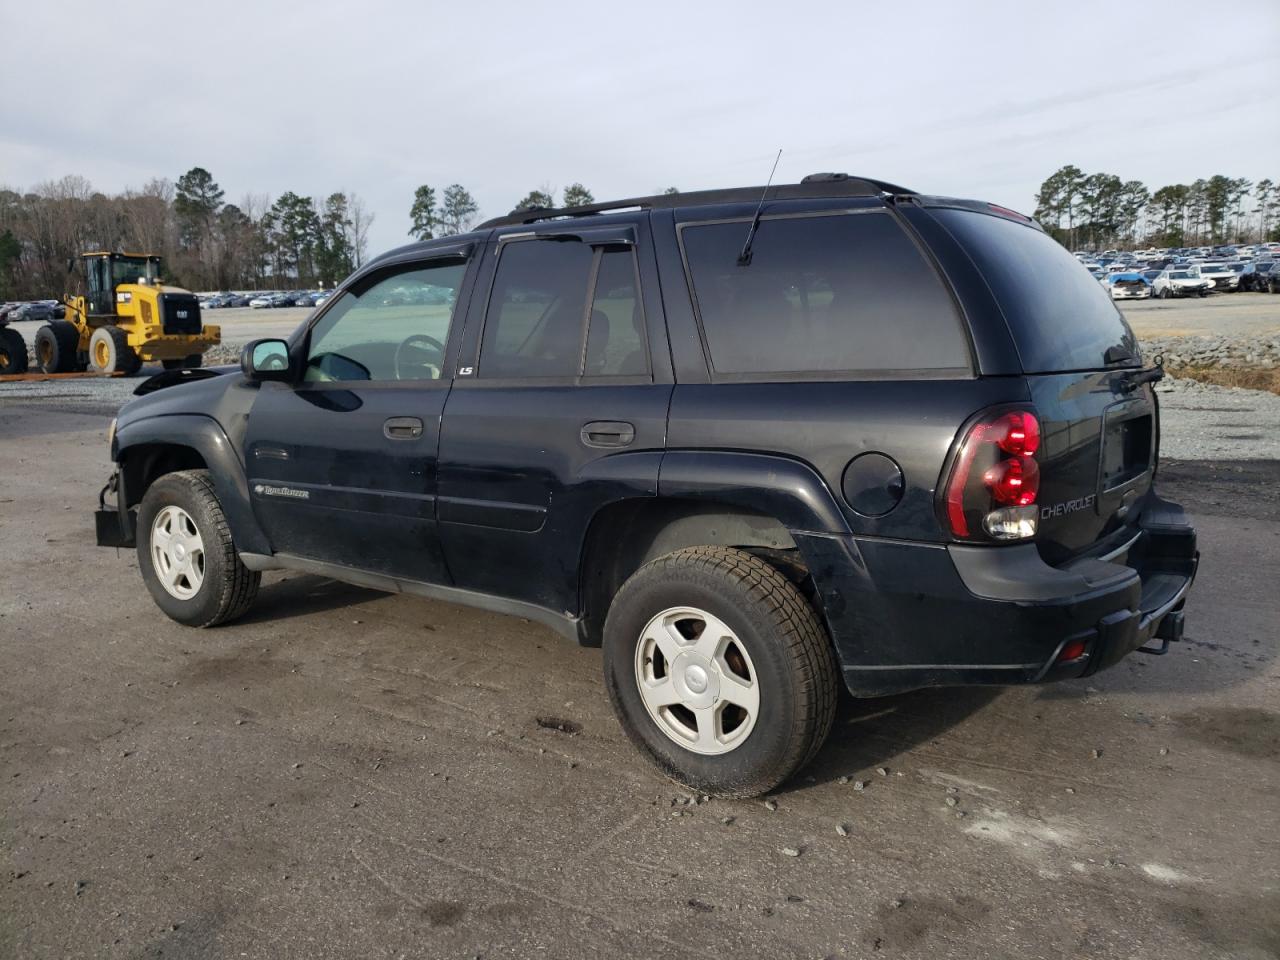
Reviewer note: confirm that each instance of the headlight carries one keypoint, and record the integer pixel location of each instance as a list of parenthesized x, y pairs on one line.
[(111, 432)]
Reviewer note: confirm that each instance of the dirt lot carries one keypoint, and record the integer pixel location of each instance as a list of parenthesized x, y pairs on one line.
[(348, 774), (1227, 314)]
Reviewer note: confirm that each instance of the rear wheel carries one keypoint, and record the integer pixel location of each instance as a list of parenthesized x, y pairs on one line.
[(13, 351), (719, 670), (56, 344), (185, 553), (109, 352)]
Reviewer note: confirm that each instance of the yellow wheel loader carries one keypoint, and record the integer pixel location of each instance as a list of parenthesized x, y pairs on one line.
[(126, 317)]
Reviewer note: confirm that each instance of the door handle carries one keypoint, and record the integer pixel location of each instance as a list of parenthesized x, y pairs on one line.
[(607, 433), (402, 428)]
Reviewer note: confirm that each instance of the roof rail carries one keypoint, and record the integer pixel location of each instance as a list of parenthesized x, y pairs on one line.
[(814, 185)]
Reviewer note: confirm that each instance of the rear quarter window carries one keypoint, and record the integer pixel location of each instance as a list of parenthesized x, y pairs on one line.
[(1060, 317), (825, 294)]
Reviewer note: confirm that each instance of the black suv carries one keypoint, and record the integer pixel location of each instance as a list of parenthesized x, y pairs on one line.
[(751, 441)]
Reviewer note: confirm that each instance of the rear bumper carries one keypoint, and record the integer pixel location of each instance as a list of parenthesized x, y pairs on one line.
[(909, 615)]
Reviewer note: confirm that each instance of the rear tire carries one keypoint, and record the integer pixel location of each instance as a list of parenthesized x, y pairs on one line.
[(768, 650), (13, 351), (56, 344), (203, 584), (109, 352)]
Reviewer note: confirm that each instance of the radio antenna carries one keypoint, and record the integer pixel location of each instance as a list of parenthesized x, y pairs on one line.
[(744, 257)]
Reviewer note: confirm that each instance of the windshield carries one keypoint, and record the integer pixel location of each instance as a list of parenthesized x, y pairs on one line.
[(1180, 275), (130, 269), (1061, 318)]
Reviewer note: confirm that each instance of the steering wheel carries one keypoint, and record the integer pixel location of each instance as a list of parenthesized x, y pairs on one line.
[(425, 345)]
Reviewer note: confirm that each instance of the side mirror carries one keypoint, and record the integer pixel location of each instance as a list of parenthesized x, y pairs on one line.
[(265, 360)]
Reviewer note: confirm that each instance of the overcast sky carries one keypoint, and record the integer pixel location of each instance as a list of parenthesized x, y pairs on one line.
[(379, 97)]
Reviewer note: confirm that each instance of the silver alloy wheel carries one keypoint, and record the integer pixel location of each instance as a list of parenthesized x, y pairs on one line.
[(177, 552), (697, 681)]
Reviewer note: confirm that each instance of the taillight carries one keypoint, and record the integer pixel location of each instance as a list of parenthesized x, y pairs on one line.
[(995, 479)]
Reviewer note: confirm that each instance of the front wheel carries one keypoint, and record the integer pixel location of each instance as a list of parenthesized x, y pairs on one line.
[(719, 671), (185, 553)]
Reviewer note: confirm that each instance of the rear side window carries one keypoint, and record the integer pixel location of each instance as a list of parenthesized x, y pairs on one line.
[(536, 312), (538, 315), (1059, 315), (822, 294)]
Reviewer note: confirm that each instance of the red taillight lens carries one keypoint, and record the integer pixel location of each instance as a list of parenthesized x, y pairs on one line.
[(1013, 482), (1017, 433), (995, 479)]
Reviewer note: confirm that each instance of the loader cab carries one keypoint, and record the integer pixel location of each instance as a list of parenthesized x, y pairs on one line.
[(106, 271)]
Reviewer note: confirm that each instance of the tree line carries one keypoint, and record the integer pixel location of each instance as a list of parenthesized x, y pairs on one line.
[(456, 211), (1098, 210), (207, 243)]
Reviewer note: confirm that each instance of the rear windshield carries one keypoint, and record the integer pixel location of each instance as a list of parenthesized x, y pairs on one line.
[(1059, 315), (822, 294)]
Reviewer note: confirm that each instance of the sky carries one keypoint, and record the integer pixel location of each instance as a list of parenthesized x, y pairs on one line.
[(980, 99)]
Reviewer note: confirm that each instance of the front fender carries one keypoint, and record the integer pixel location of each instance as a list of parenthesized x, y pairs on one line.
[(206, 437)]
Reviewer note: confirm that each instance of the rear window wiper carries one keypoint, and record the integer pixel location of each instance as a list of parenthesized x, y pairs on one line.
[(1118, 354)]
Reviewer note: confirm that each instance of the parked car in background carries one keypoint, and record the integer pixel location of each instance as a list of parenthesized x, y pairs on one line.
[(261, 301), (36, 310), (1127, 286), (1225, 280), (1180, 282), (1255, 275)]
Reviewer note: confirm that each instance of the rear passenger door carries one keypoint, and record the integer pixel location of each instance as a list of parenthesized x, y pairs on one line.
[(559, 406)]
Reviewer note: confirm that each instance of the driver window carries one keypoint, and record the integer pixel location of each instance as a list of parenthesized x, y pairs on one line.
[(393, 327)]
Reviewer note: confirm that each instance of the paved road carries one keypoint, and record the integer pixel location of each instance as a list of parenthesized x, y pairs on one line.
[(348, 774)]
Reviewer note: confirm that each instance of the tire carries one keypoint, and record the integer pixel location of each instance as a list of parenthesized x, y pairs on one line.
[(171, 364), (109, 352), (13, 351), (193, 362), (1203, 293), (215, 589), (778, 648), (56, 344)]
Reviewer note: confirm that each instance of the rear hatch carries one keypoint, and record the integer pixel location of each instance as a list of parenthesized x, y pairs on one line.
[(1099, 423)]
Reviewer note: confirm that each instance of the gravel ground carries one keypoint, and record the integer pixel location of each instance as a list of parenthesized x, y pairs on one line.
[(1201, 421)]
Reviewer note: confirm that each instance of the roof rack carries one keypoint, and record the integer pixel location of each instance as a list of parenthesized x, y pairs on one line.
[(814, 185)]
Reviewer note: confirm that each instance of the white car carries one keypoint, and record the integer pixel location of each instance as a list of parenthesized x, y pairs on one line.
[(1180, 282), (1224, 278), (263, 301), (1127, 286)]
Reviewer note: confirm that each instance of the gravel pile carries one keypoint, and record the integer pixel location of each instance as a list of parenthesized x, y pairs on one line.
[(1214, 351)]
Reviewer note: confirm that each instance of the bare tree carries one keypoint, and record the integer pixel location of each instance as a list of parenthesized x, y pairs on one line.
[(361, 221)]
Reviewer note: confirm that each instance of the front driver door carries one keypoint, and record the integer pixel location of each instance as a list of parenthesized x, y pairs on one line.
[(342, 463)]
